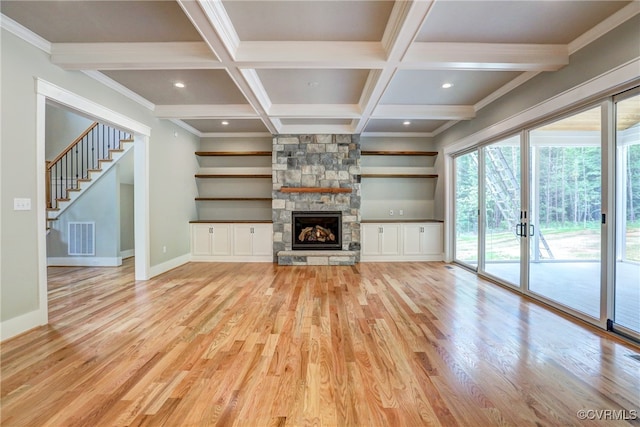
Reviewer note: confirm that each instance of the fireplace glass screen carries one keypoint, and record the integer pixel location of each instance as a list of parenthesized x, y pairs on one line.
[(317, 230)]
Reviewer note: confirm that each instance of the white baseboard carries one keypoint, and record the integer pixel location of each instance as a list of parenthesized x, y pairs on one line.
[(84, 261), (401, 258), (17, 325), (127, 253), (169, 265), (232, 258)]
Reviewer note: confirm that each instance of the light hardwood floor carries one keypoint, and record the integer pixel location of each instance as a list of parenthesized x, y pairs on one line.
[(407, 344)]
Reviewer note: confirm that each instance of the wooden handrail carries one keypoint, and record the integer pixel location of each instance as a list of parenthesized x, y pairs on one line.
[(70, 146)]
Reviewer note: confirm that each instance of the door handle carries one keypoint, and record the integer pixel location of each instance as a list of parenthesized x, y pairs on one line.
[(531, 229), (519, 229)]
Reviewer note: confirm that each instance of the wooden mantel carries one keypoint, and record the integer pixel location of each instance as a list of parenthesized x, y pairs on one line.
[(314, 190)]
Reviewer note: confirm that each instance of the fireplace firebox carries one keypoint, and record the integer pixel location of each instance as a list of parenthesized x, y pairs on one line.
[(316, 230)]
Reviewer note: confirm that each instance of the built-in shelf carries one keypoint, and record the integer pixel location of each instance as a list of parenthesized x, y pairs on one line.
[(209, 175), (226, 199), (399, 153), (399, 221), (314, 190), (397, 175), (232, 153), (231, 221)]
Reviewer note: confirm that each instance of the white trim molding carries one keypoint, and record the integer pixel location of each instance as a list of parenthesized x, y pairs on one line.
[(81, 261), (159, 269)]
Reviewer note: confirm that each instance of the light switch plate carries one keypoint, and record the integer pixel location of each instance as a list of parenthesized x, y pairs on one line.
[(21, 204)]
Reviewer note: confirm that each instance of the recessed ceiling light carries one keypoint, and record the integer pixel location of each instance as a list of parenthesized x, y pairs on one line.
[(225, 123), (406, 123), (313, 84), (179, 85), (447, 85)]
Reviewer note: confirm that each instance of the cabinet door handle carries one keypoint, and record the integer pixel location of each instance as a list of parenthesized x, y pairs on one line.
[(422, 229), (210, 230), (251, 230)]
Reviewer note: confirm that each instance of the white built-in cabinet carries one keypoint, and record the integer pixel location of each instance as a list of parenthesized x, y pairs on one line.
[(232, 242), (411, 241), (380, 239), (211, 239), (253, 240)]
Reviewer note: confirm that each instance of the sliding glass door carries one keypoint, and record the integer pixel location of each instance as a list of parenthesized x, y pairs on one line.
[(466, 209), (501, 207), (530, 212), (627, 249), (564, 225)]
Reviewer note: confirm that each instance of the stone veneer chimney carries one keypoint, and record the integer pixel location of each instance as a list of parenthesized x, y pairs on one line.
[(317, 162)]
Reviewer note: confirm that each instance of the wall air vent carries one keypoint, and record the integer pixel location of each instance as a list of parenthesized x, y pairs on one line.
[(82, 238)]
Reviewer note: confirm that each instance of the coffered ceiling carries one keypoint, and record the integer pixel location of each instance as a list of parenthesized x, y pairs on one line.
[(314, 66)]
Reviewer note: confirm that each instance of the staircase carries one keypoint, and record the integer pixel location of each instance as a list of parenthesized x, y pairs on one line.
[(79, 165)]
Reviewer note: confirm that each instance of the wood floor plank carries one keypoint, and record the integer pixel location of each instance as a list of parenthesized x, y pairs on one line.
[(380, 344)]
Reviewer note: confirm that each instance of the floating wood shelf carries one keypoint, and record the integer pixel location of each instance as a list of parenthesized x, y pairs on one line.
[(314, 190), (213, 199), (404, 221), (397, 175), (400, 153), (208, 175), (232, 153), (231, 221)]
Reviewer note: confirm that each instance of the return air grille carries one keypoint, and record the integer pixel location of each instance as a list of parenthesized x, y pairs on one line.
[(82, 238)]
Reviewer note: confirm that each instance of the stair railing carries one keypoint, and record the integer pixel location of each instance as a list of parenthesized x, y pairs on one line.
[(74, 164)]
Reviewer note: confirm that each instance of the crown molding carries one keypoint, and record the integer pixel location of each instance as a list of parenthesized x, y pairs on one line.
[(424, 112), (605, 26), (133, 56), (206, 111), (398, 134), (112, 84), (24, 33), (235, 135), (187, 127)]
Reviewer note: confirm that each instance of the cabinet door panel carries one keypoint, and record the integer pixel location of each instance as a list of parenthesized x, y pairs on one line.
[(370, 239), (413, 239), (433, 240), (200, 239), (390, 243), (221, 241), (242, 239), (263, 239)]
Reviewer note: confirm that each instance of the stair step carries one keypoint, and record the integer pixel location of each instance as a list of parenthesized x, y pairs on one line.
[(126, 140), (53, 209), (116, 150), (52, 219), (94, 170), (105, 160), (84, 179), (73, 189)]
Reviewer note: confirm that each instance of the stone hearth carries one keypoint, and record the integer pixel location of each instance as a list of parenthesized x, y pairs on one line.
[(316, 173)]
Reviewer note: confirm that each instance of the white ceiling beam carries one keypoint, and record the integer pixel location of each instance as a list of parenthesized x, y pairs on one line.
[(317, 129), (486, 56), (202, 21), (422, 112), (213, 111), (329, 111), (313, 54), (220, 21), (133, 56), (407, 17)]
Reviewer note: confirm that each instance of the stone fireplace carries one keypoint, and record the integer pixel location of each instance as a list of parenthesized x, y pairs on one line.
[(321, 174)]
